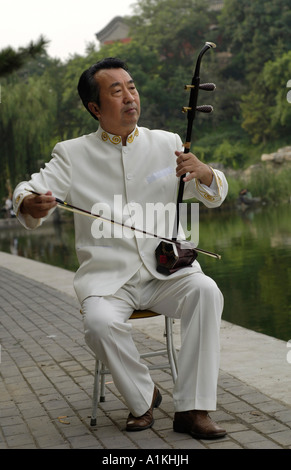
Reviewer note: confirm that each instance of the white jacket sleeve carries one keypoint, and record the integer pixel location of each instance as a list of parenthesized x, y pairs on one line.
[(210, 196), (55, 177)]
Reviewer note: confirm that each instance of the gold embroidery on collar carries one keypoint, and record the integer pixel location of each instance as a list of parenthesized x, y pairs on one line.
[(130, 138), (116, 139)]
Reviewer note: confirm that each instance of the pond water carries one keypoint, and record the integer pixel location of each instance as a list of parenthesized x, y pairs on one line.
[(254, 272)]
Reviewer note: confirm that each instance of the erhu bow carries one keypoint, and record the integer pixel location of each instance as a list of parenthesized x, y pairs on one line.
[(170, 257), (78, 210)]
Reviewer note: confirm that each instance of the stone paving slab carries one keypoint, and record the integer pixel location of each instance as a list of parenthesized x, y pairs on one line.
[(47, 379)]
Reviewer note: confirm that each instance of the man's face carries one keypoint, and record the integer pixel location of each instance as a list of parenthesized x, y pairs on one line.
[(119, 102)]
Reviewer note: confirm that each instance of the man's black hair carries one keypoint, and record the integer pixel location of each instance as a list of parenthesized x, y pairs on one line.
[(88, 87)]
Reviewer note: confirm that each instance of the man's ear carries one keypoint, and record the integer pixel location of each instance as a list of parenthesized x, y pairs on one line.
[(94, 109)]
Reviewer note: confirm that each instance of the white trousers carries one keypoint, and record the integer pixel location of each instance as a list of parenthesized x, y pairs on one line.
[(194, 299)]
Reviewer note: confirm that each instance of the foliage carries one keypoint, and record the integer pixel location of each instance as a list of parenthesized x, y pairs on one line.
[(258, 32), (11, 60), (276, 75), (171, 28), (255, 31), (234, 187), (266, 111), (26, 126), (251, 66), (272, 186), (229, 154)]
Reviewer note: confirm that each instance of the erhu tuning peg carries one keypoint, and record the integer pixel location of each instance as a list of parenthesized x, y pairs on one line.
[(202, 86), (207, 86), (204, 108)]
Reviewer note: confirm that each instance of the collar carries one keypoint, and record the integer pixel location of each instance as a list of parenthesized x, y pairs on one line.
[(116, 139)]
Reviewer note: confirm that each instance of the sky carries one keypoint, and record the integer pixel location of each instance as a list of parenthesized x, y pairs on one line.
[(70, 25)]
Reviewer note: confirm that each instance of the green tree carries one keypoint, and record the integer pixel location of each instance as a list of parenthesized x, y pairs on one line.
[(27, 120), (74, 119), (12, 60), (255, 107), (250, 67), (254, 32), (265, 109), (175, 32), (172, 28), (276, 74)]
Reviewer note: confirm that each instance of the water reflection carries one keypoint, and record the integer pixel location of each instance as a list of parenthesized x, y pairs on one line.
[(254, 273), (52, 243)]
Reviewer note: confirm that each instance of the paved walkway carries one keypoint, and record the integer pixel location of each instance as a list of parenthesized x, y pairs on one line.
[(47, 378)]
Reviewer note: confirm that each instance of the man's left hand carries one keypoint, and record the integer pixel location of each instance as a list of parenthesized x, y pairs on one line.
[(190, 164)]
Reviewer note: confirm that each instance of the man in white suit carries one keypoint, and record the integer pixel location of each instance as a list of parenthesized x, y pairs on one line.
[(136, 167)]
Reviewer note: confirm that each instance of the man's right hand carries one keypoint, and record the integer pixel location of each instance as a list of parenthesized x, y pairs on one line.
[(38, 206)]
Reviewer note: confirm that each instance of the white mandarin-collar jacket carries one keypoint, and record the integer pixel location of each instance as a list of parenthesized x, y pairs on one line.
[(96, 172)]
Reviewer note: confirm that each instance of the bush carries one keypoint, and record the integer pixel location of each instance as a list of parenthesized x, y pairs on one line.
[(272, 186), (230, 155), (234, 187)]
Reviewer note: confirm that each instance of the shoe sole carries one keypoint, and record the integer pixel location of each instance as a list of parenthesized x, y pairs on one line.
[(138, 428), (182, 429)]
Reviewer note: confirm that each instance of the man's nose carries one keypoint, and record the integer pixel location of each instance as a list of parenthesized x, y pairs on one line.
[(128, 97)]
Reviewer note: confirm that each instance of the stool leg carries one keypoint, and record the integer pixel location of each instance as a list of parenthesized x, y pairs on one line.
[(170, 347), (93, 420), (175, 357), (102, 392)]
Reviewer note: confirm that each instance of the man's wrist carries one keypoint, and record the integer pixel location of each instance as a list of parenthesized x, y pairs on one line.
[(22, 208), (207, 180)]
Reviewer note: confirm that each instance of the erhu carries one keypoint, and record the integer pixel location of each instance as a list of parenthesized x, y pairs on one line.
[(173, 256)]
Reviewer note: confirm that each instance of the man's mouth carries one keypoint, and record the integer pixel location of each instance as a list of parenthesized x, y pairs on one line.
[(130, 110)]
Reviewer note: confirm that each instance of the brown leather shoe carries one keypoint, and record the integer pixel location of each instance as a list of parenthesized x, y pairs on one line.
[(198, 424), (145, 421)]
